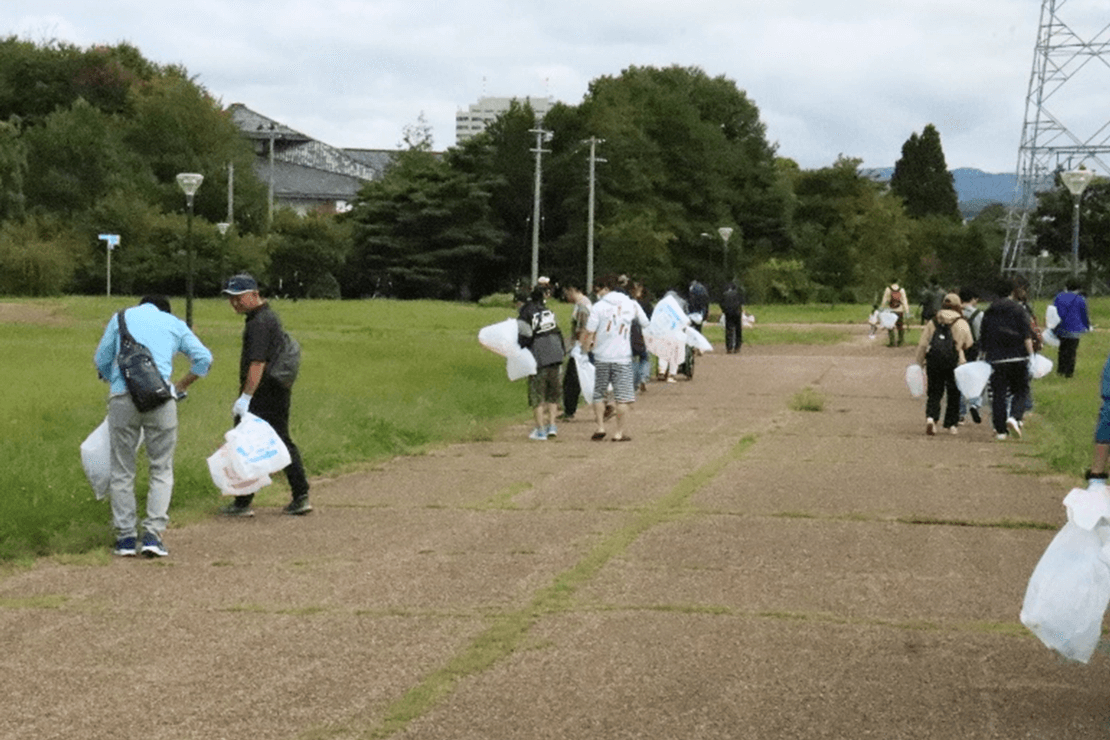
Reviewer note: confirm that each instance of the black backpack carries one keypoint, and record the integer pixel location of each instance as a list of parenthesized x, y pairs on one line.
[(942, 353), (287, 364), (145, 383)]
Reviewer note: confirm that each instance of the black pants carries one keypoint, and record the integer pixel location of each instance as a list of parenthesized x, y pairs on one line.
[(734, 333), (942, 383), (271, 403), (572, 389), (1009, 392), (1065, 359)]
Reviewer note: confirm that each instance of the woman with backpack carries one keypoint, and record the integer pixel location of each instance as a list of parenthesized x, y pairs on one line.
[(941, 350)]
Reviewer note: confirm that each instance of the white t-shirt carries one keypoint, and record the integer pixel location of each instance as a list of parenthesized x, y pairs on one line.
[(611, 319)]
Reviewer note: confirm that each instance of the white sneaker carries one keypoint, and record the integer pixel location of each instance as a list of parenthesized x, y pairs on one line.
[(538, 434), (1002, 436), (1014, 426), (930, 427)]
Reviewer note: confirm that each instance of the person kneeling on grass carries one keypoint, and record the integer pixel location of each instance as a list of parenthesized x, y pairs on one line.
[(609, 329), (539, 333)]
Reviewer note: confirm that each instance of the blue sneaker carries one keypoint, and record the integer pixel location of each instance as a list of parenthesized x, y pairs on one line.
[(551, 431), (125, 547), (538, 435), (153, 547)]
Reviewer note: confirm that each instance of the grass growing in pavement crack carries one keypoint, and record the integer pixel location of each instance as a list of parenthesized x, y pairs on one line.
[(508, 631)]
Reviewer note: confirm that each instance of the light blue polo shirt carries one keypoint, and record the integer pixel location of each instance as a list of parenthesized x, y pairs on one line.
[(163, 334)]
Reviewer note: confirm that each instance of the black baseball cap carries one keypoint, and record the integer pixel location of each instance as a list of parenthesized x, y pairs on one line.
[(240, 284)]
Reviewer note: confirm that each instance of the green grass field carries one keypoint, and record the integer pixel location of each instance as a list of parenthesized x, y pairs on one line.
[(380, 378)]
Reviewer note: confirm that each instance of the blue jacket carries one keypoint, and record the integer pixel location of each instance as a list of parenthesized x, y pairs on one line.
[(1072, 308), (163, 334)]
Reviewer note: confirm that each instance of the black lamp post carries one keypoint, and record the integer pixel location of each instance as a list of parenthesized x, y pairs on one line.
[(189, 182)]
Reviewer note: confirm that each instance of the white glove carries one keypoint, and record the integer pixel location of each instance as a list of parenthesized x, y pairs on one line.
[(241, 406)]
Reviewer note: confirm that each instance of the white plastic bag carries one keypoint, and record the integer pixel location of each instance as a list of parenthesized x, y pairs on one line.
[(1039, 365), (500, 338), (747, 320), (1051, 316), (888, 319), (255, 448), (96, 459), (697, 340), (1069, 590), (226, 478), (915, 379), (972, 377), (1050, 338), (586, 372), (520, 364)]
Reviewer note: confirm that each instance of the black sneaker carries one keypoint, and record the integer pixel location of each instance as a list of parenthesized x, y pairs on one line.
[(298, 506), (974, 411), (237, 510), (153, 547)]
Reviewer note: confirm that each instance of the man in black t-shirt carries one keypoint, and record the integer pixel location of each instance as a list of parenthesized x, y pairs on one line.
[(260, 394)]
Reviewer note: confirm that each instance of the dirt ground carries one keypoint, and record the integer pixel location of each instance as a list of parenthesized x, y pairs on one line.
[(739, 570)]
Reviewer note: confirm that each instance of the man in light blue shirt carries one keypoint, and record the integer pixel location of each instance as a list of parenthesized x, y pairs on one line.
[(152, 325)]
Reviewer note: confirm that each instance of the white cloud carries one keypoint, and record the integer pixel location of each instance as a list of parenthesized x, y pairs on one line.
[(853, 76)]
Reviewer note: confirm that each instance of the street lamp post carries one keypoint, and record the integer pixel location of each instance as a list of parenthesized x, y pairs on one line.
[(189, 182), (1076, 182), (726, 234)]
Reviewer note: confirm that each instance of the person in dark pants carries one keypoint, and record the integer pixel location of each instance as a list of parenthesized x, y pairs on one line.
[(1006, 338), (571, 386), (732, 307), (940, 362), (1072, 309), (260, 394)]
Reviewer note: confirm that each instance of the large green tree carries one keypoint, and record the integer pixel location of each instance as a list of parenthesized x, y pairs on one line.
[(685, 154), (922, 179), (424, 230)]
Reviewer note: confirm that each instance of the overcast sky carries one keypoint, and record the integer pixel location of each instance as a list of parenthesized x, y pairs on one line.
[(830, 77)]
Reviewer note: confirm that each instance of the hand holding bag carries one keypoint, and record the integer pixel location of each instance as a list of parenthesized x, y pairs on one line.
[(147, 387)]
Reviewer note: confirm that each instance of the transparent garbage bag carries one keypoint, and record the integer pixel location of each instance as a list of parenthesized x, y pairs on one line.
[(1069, 590), (915, 380), (972, 377)]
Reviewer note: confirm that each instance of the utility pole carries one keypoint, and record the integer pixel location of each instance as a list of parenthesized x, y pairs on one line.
[(593, 141), (541, 137), (1063, 129)]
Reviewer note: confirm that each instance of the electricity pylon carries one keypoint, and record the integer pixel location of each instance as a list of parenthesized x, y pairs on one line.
[(1067, 112)]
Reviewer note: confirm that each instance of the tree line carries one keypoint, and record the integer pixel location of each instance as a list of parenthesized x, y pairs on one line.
[(91, 141)]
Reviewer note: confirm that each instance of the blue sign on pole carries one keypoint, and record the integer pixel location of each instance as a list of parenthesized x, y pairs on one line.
[(112, 241)]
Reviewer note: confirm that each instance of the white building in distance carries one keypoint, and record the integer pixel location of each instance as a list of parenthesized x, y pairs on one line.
[(474, 119)]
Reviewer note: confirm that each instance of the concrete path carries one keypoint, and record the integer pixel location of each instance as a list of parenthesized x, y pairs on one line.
[(739, 570)]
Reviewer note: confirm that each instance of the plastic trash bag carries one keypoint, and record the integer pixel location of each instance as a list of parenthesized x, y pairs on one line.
[(96, 458), (500, 337), (1051, 316), (972, 377), (226, 478), (915, 380), (1050, 338), (586, 373), (255, 448), (697, 340), (747, 320), (520, 364), (1069, 590), (1039, 365), (888, 319)]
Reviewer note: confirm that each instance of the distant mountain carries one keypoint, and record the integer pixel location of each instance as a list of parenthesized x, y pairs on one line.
[(975, 189)]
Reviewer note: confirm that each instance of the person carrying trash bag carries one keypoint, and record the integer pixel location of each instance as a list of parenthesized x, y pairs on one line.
[(944, 341), (152, 325), (1006, 340), (894, 300), (260, 393)]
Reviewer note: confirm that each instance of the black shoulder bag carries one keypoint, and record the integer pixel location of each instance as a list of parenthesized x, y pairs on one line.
[(147, 387)]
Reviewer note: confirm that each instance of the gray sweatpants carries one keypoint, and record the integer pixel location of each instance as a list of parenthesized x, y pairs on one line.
[(159, 428)]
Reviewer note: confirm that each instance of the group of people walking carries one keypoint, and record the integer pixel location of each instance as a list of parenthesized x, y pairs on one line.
[(608, 334), (1005, 334)]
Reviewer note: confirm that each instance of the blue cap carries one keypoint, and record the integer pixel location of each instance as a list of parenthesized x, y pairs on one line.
[(240, 284)]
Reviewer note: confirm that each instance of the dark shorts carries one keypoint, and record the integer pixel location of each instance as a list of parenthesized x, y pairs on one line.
[(544, 386)]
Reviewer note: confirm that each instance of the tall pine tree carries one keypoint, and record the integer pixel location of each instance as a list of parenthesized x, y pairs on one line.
[(922, 179)]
